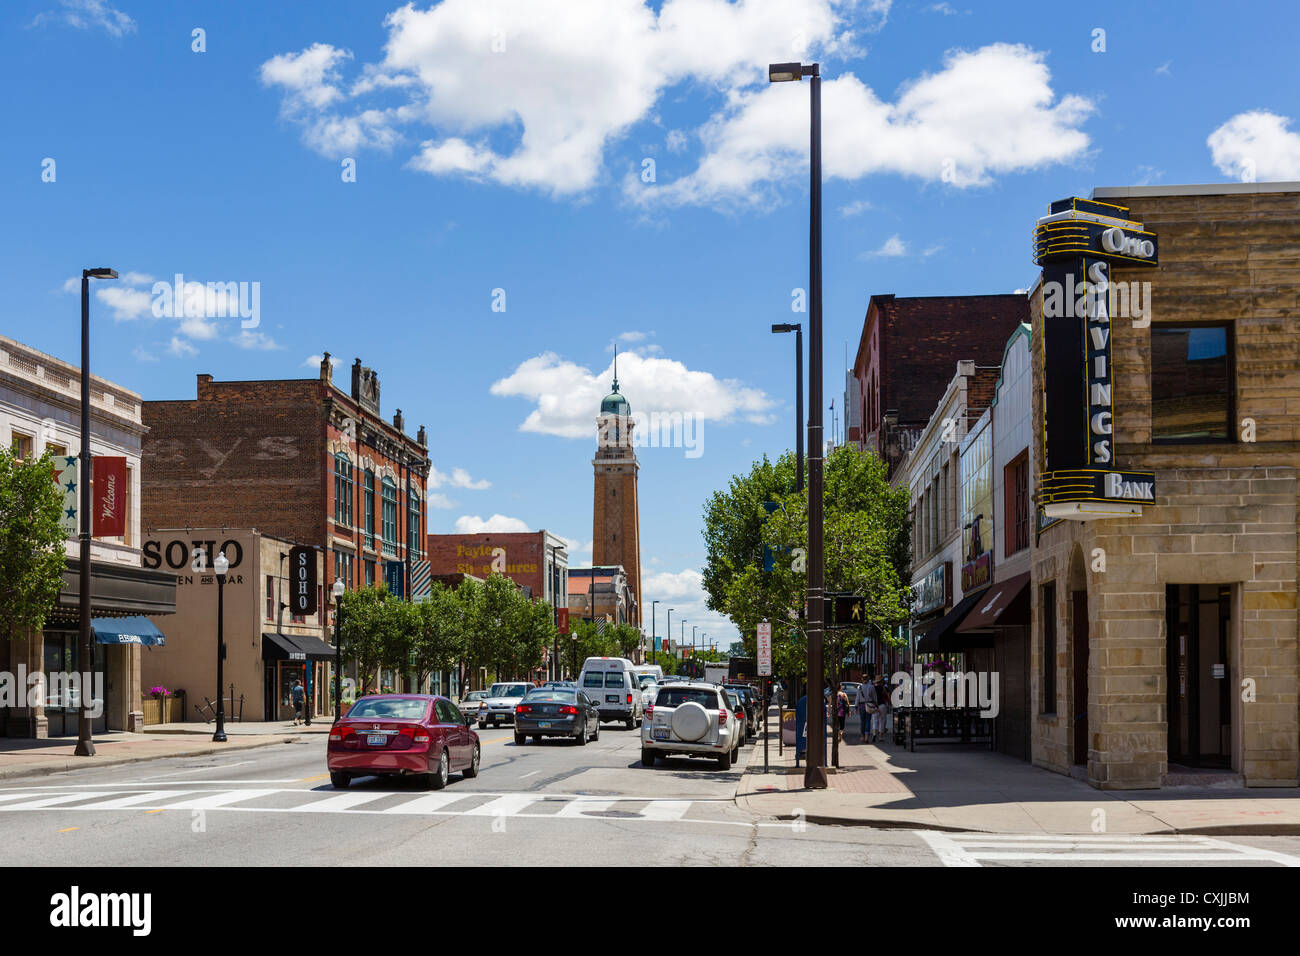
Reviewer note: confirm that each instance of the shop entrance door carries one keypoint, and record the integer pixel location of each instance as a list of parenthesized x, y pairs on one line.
[(1079, 619), (61, 658), (1199, 619)]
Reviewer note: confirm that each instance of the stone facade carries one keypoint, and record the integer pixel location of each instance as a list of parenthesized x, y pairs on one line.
[(1225, 513)]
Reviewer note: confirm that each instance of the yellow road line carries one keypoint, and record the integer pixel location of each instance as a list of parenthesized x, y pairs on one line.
[(69, 829), (160, 810), (319, 776)]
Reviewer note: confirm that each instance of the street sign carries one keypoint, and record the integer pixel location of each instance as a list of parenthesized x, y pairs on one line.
[(302, 580), (849, 609), (764, 649)]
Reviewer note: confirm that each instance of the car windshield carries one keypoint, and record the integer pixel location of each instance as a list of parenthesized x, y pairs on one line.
[(647, 681), (388, 708), (550, 697), (508, 690), (676, 696)]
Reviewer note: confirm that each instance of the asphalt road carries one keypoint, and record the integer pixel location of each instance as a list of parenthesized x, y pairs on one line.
[(537, 804)]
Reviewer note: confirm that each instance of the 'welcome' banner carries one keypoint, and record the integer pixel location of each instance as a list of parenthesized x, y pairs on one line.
[(109, 488)]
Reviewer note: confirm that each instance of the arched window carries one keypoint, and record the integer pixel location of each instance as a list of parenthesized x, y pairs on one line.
[(368, 488), (414, 524), (389, 495), (343, 490)]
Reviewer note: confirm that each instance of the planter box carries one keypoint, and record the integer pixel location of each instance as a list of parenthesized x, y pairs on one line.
[(163, 710), (152, 708)]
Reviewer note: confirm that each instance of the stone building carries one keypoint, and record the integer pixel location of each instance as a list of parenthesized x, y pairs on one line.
[(616, 515), (1163, 594), (40, 411)]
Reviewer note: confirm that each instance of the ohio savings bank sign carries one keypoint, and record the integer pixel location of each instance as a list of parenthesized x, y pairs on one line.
[(1076, 245)]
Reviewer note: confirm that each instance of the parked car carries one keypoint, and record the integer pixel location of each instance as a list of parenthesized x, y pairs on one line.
[(498, 706), (559, 712), (469, 703), (409, 735), (649, 685), (609, 681), (737, 706), (690, 719), (753, 706)]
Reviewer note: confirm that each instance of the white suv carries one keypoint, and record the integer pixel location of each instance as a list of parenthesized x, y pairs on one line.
[(690, 719), (499, 705)]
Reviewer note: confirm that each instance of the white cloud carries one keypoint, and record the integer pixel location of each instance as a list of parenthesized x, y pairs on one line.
[(1256, 146), (683, 591), (313, 361), (143, 355), (1163, 68), (459, 478), (256, 340), (473, 524), (438, 500), (893, 247), (567, 395), (576, 548), (197, 327), (855, 208), (137, 278), (524, 69), (632, 337), (84, 14), (180, 347), (126, 303), (675, 141), (987, 112)]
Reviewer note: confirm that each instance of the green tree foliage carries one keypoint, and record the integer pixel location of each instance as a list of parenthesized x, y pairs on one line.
[(867, 550), (32, 556)]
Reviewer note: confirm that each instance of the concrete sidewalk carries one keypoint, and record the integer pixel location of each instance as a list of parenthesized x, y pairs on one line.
[(22, 758), (968, 788)]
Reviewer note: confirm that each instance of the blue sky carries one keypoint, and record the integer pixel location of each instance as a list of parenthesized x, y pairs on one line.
[(620, 170)]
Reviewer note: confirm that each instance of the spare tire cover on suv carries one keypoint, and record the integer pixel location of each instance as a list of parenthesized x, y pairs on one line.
[(690, 721)]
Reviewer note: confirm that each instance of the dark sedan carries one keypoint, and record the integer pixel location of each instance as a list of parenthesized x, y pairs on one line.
[(557, 713)]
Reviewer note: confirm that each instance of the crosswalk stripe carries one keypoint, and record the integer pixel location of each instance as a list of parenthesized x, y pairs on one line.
[(133, 799), (1191, 854), (506, 806), (582, 807), (342, 801), (665, 809), (220, 799), (428, 803), (46, 801)]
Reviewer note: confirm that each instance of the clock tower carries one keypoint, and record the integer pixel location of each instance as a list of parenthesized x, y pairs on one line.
[(616, 522)]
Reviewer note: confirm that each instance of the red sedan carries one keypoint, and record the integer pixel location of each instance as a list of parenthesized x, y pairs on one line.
[(410, 735)]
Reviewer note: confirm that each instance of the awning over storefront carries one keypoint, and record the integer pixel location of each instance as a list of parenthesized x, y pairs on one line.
[(295, 647), (943, 637), (116, 590), (126, 630), (1004, 604)]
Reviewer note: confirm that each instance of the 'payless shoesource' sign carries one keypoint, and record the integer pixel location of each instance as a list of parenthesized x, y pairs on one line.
[(1076, 245)]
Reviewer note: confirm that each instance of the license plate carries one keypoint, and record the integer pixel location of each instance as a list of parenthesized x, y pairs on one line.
[(611, 700), (661, 733), (543, 723), (376, 740)]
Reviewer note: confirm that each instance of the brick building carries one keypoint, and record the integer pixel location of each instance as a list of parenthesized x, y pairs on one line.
[(301, 459), (616, 515), (601, 594), (1163, 614), (537, 561), (907, 349)]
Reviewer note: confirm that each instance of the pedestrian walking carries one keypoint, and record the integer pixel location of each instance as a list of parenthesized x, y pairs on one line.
[(863, 716), (871, 710), (296, 695), (882, 710), (841, 708)]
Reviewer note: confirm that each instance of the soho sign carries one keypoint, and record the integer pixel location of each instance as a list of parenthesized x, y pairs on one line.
[(1116, 240), (196, 554)]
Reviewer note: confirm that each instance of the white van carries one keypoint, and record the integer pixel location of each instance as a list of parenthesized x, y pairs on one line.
[(650, 676), (612, 684)]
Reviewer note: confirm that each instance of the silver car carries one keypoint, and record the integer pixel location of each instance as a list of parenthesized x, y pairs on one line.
[(498, 707)]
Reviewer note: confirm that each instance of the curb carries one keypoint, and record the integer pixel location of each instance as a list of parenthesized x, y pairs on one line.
[(80, 763), (1223, 829)]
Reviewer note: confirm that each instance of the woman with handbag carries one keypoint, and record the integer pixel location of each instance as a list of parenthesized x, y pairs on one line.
[(870, 710)]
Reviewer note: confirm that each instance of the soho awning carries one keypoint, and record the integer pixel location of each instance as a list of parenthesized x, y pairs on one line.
[(295, 647), (943, 637), (126, 630), (1004, 604)]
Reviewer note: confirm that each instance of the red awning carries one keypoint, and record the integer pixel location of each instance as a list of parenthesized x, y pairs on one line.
[(1004, 604)]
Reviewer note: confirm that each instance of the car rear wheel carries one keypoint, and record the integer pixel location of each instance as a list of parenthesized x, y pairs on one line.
[(482, 725), (595, 731), (519, 739), (340, 781), (438, 779), (581, 739), (472, 770), (724, 762), (647, 757), (537, 738), (630, 722)]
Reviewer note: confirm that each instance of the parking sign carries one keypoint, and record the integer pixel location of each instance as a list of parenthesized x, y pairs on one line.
[(764, 649)]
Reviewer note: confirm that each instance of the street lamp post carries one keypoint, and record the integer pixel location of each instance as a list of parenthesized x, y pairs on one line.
[(652, 631), (814, 770), (85, 741), (221, 565), (337, 590), (797, 329)]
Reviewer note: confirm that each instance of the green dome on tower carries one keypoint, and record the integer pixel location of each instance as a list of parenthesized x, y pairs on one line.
[(614, 403)]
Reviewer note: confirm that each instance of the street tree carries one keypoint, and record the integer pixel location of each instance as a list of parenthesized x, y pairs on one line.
[(32, 553)]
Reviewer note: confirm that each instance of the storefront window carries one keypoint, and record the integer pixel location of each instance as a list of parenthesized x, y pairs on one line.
[(977, 495), (1191, 382)]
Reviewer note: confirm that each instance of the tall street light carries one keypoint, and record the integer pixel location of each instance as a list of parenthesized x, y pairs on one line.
[(337, 590), (221, 565), (670, 632), (797, 329), (85, 742), (815, 769), (652, 631)]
